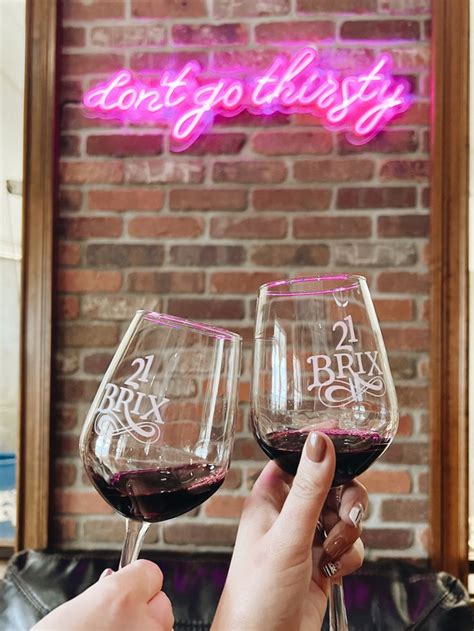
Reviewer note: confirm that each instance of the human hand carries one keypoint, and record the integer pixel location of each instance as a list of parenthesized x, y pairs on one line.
[(129, 600), (275, 580)]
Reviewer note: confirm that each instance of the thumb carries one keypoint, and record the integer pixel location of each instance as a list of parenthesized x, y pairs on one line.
[(302, 508)]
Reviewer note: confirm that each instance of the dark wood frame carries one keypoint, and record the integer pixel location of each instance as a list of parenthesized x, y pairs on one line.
[(449, 311), (38, 210)]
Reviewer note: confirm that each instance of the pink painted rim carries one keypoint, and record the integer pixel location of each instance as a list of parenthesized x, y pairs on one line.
[(352, 281)]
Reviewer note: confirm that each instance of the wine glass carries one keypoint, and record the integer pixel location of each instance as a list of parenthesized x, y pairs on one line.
[(320, 364), (158, 437)]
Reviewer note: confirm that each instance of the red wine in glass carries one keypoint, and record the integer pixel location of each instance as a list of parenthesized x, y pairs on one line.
[(355, 450), (159, 494)]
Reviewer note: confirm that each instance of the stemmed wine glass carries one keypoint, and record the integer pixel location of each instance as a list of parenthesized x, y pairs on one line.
[(320, 364), (158, 437)]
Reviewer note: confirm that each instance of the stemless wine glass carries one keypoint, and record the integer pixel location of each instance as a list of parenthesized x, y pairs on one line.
[(158, 437), (320, 364)]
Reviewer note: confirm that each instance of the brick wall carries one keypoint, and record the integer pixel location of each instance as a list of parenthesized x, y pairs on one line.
[(257, 198)]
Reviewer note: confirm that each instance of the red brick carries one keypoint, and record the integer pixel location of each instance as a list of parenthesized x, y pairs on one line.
[(129, 36), (97, 363), (207, 309), (88, 63), (255, 59), (336, 6), (404, 282), (74, 117), (89, 335), (80, 503), (86, 227), (209, 34), (233, 479), (69, 199), (200, 534), (224, 9), (394, 310), (83, 281), (415, 397), (70, 145), (164, 171), (292, 199), (154, 227), (380, 29), (283, 254), (416, 511), (166, 282), (65, 418), (115, 307), (90, 172), (404, 226), (206, 255), (403, 367), (387, 141), (374, 254), (65, 473), (125, 199), (68, 253), (240, 282), (173, 61), (287, 32), (424, 483), (426, 198), (66, 361), (250, 172), (247, 119), (331, 227), (334, 170), (405, 7), (124, 145), (405, 170), (67, 307), (293, 143), (208, 199), (406, 339), (388, 538), (376, 197), (97, 10), (380, 481), (225, 506), (64, 530), (66, 444), (249, 227), (169, 8), (416, 114), (405, 425), (217, 144), (247, 449), (73, 36), (70, 90), (124, 255)]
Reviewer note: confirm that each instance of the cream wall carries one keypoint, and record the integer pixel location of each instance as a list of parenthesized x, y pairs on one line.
[(12, 52)]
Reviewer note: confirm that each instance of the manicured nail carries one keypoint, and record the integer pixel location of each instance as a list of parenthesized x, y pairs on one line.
[(106, 572), (330, 569), (356, 513), (316, 448), (335, 548)]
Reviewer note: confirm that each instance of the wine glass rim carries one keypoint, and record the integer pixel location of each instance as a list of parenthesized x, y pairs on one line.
[(274, 287), (172, 321)]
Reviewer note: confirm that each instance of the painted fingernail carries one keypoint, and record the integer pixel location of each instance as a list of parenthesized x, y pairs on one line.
[(106, 572), (330, 569), (316, 448), (335, 548), (356, 513)]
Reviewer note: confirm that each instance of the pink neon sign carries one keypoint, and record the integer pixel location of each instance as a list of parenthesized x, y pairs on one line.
[(360, 104)]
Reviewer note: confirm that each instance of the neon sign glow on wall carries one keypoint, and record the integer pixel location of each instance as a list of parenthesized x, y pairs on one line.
[(360, 104)]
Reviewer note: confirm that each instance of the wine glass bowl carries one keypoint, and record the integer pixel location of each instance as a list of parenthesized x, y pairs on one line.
[(320, 364), (158, 437)]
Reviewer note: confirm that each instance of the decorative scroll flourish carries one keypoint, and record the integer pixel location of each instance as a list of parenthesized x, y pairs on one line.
[(340, 392), (110, 424)]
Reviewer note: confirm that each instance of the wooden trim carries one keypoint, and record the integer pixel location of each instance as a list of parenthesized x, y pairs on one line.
[(38, 203), (449, 311)]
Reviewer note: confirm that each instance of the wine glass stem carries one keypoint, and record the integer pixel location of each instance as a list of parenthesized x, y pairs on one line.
[(337, 608), (136, 530)]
